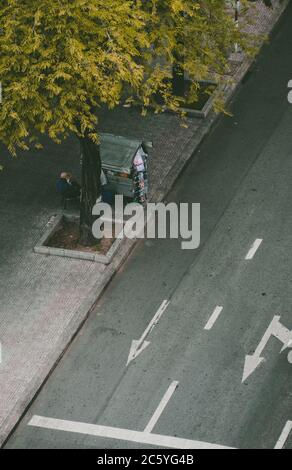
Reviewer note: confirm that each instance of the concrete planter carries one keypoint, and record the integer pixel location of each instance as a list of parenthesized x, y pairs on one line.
[(54, 224), (206, 108)]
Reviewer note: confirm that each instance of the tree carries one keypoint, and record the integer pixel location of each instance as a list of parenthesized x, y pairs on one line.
[(61, 60), (197, 37)]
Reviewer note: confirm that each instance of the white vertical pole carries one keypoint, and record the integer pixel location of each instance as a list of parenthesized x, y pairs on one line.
[(236, 18)]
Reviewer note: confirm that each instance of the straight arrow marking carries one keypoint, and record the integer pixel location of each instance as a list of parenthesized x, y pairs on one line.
[(139, 345)]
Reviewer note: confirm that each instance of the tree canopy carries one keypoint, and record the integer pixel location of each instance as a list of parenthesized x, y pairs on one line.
[(61, 59)]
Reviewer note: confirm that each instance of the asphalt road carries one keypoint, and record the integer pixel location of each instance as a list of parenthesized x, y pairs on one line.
[(185, 388)]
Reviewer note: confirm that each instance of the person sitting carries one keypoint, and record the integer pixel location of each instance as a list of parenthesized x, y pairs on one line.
[(106, 193), (67, 186)]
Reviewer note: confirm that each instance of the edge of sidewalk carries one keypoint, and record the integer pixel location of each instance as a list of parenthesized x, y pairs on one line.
[(124, 251)]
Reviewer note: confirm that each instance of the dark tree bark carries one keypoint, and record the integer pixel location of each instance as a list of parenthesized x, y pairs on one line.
[(178, 80), (91, 188), (268, 3), (178, 75)]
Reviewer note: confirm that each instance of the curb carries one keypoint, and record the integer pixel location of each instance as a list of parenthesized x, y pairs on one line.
[(212, 117), (124, 250)]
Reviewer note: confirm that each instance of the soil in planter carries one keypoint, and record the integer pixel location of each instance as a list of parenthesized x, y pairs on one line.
[(204, 93), (67, 237)]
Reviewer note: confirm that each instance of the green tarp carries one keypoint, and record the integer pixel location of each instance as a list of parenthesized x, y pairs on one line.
[(117, 153)]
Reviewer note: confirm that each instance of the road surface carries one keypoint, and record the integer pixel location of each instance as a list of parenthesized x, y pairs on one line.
[(211, 373)]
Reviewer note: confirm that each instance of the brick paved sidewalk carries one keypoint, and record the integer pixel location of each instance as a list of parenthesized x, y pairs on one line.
[(45, 299)]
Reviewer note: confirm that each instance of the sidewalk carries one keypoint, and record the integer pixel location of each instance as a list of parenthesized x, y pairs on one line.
[(45, 299)]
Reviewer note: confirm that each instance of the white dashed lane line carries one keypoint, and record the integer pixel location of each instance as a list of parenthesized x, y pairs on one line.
[(284, 435), (254, 248), (213, 317), (167, 396)]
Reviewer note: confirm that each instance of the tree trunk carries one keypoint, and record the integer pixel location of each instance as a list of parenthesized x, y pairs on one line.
[(178, 80), (178, 75), (91, 188)]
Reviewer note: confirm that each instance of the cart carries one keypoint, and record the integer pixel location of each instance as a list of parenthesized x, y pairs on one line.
[(125, 165)]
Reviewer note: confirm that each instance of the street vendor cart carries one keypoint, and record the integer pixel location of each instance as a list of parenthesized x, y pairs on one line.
[(125, 165)]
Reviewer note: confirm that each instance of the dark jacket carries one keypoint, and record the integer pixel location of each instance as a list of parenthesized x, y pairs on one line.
[(66, 189)]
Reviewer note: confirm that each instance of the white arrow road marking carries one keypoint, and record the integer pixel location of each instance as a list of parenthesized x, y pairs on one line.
[(284, 435), (167, 396), (276, 329), (254, 248), (290, 357), (250, 365), (285, 336), (139, 345), (121, 434), (213, 317)]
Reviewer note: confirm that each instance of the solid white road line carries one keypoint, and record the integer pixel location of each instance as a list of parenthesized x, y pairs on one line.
[(254, 248), (284, 435), (121, 434), (213, 317), (167, 396)]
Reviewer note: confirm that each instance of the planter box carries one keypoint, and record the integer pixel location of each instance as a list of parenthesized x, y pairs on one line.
[(203, 110), (43, 248)]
